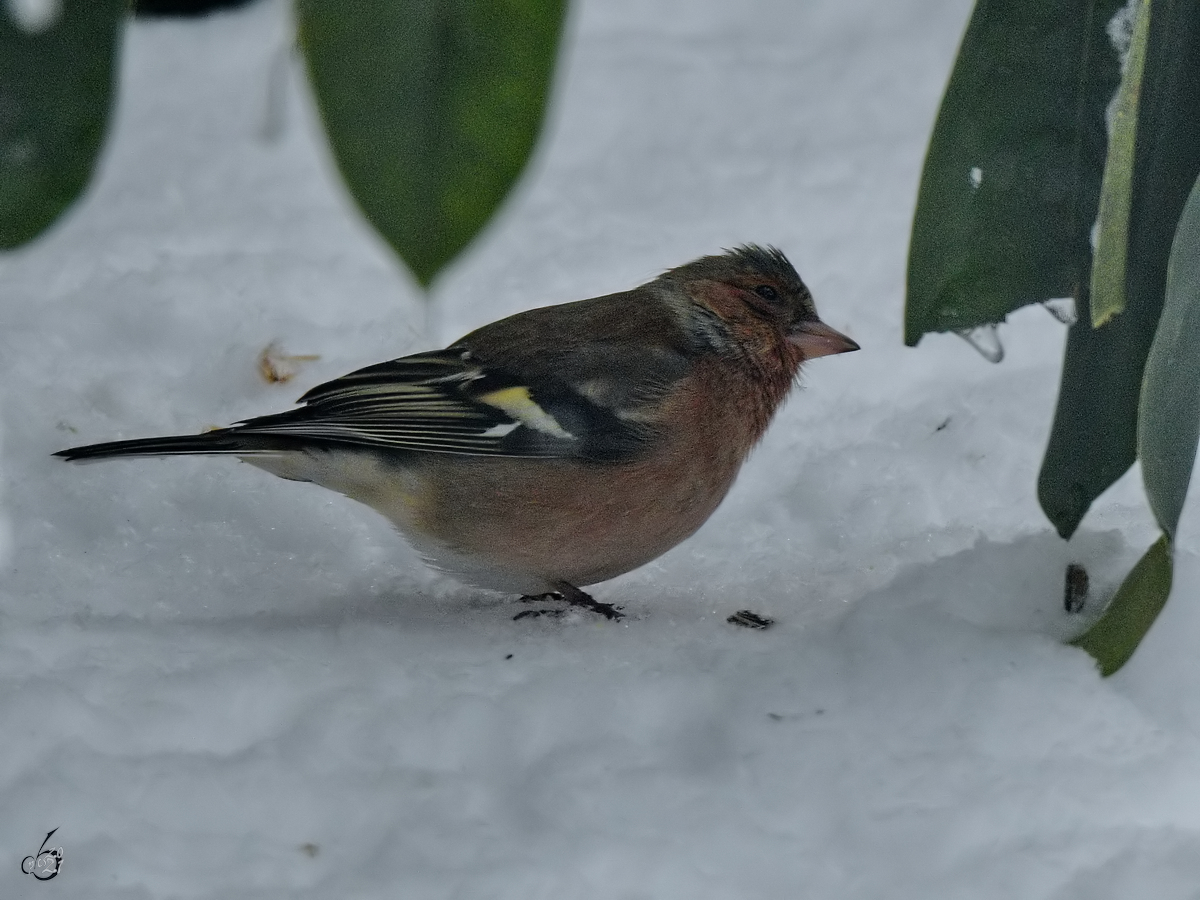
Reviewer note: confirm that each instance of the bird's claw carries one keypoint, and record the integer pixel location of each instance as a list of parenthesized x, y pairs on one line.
[(573, 596)]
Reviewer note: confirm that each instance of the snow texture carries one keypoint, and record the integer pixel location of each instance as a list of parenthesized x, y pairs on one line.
[(218, 684)]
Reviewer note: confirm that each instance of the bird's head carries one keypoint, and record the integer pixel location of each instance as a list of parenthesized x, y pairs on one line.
[(751, 300)]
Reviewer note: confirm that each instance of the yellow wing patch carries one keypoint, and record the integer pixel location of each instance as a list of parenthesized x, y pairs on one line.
[(516, 402)]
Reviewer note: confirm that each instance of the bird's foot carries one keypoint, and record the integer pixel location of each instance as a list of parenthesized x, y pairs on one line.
[(576, 597), (573, 597), (555, 613)]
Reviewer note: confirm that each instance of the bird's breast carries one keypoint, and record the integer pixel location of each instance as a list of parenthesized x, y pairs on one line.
[(583, 522)]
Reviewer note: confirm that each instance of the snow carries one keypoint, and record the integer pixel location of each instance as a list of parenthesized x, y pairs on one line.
[(32, 16), (218, 684)]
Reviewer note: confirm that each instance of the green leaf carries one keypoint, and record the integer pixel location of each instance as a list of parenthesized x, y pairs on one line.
[(1012, 177), (1116, 191), (1127, 618), (55, 95), (1168, 434), (1093, 440), (432, 108), (1094, 437), (1169, 419)]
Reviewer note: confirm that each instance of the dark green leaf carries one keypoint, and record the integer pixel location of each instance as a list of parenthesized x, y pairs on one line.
[(55, 95), (1093, 440), (1012, 177), (1125, 621), (432, 109), (1116, 191), (1169, 417), (1094, 437)]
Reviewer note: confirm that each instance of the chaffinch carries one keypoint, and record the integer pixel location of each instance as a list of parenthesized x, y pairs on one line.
[(559, 447)]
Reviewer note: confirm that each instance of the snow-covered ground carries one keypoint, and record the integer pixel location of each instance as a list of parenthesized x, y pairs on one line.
[(218, 684)]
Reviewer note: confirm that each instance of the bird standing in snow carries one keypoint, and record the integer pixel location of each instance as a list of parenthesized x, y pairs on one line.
[(559, 447)]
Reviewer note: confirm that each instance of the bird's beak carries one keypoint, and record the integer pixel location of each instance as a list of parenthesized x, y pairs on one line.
[(816, 338)]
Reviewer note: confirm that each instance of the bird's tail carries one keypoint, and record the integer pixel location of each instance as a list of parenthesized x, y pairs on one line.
[(222, 441)]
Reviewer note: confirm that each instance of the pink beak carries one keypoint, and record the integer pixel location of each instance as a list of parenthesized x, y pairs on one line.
[(816, 338)]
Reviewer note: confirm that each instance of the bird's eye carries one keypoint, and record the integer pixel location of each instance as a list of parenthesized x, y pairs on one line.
[(767, 292)]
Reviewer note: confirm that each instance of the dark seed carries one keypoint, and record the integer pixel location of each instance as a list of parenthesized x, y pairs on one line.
[(1075, 594), (747, 619)]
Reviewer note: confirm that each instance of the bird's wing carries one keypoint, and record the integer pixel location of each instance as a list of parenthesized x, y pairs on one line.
[(450, 402)]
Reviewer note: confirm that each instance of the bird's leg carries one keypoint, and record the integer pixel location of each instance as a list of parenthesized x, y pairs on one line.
[(574, 597)]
